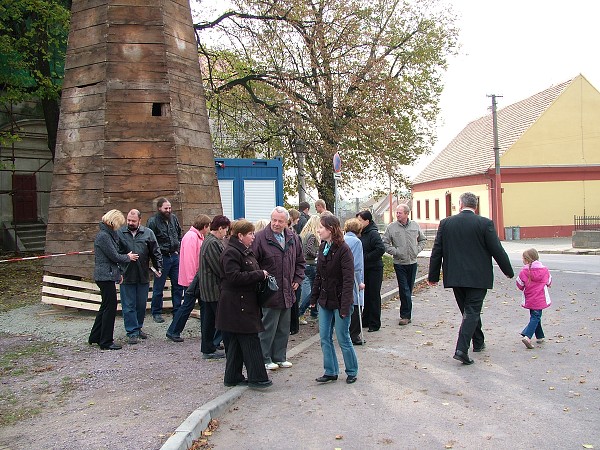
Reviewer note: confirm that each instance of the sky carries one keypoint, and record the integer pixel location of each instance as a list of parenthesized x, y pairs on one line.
[(513, 49)]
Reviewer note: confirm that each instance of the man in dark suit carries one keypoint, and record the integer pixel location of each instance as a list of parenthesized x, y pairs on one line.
[(463, 248)]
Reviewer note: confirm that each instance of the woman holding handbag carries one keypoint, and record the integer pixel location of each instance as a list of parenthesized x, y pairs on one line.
[(238, 311)]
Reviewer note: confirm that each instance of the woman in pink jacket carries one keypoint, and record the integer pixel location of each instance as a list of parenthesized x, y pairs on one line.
[(534, 280), (189, 261)]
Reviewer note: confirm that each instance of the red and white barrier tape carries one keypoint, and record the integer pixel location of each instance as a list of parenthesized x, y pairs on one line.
[(28, 258)]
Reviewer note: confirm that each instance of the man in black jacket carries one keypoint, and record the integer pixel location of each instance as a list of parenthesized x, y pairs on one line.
[(464, 247), (136, 281), (304, 209), (168, 234)]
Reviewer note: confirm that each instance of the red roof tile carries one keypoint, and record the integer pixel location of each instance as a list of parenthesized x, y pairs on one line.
[(471, 151)]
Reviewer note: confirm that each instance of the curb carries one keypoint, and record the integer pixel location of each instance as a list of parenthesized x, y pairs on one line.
[(192, 427)]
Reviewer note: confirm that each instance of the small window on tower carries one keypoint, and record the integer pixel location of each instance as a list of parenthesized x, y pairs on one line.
[(157, 109)]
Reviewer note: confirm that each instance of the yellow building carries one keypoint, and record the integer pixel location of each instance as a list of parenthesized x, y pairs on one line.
[(549, 153)]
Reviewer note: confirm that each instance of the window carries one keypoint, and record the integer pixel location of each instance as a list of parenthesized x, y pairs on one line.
[(418, 209), (437, 209), (426, 209)]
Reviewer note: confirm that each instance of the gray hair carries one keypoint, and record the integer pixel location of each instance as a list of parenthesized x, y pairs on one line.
[(469, 200), (404, 206), (281, 209)]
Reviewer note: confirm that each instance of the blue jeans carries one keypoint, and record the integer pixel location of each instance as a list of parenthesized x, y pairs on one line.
[(182, 315), (328, 320), (309, 277), (405, 274), (133, 301), (535, 325), (170, 269)]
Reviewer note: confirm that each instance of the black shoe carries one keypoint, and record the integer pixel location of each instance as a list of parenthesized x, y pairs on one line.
[(260, 384), (214, 355), (92, 342), (143, 335), (326, 378), (463, 357), (112, 346), (351, 379), (174, 338), (479, 349), (358, 342), (236, 383), (158, 318), (293, 332), (372, 329)]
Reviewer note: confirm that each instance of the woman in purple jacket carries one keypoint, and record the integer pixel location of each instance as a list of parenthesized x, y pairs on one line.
[(333, 291)]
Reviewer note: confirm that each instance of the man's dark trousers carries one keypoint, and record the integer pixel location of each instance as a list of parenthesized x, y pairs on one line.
[(405, 275), (470, 303)]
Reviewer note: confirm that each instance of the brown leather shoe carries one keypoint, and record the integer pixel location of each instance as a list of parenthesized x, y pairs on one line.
[(404, 321)]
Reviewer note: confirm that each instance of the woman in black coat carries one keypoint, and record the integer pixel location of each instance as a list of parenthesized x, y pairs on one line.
[(373, 250), (238, 311)]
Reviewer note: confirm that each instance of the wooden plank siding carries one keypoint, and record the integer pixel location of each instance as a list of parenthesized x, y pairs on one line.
[(85, 295), (133, 125)]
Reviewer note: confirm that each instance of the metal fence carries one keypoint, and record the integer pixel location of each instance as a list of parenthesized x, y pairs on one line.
[(587, 223)]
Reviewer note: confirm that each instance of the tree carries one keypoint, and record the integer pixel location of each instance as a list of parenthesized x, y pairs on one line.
[(33, 41), (356, 76)]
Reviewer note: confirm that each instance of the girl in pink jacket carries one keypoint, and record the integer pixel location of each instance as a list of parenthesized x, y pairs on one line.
[(534, 280)]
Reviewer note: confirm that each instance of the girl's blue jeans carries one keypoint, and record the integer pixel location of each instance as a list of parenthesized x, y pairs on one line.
[(535, 325)]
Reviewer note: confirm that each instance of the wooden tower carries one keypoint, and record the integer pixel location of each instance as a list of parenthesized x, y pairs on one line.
[(133, 124)]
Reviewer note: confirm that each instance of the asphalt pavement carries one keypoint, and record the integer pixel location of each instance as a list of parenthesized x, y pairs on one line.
[(410, 393)]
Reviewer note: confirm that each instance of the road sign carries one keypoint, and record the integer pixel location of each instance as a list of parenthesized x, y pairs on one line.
[(337, 176), (337, 163)]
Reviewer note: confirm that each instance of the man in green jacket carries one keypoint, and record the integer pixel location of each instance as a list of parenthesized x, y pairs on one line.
[(404, 240)]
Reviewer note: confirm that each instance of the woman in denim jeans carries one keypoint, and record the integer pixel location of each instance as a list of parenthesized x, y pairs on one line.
[(310, 246), (333, 290)]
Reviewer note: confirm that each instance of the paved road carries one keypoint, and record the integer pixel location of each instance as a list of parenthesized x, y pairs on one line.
[(412, 394)]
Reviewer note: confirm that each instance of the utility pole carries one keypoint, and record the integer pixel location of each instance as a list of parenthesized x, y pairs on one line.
[(497, 214)]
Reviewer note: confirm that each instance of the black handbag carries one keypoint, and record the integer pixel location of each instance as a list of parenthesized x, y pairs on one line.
[(266, 288), (194, 286)]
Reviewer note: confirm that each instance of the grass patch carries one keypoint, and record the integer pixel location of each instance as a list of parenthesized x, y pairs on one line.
[(19, 362), (20, 283), (388, 267), (10, 410)]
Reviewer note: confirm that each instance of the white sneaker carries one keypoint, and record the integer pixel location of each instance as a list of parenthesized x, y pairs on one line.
[(302, 321), (540, 341), (271, 366), (527, 342), (284, 364)]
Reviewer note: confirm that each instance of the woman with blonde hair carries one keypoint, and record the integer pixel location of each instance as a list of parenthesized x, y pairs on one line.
[(108, 273), (261, 224), (310, 246)]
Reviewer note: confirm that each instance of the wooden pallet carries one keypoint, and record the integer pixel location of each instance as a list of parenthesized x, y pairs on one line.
[(71, 293)]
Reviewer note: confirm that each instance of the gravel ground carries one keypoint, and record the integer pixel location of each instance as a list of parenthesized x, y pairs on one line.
[(65, 394), (57, 392)]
